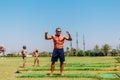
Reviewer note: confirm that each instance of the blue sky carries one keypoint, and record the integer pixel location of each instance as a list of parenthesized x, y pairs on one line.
[(24, 22)]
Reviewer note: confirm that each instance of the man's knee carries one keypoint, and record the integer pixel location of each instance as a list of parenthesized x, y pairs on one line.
[(53, 63), (61, 63)]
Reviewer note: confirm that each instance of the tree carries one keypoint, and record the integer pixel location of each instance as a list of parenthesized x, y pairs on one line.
[(74, 52), (80, 53), (106, 48), (67, 51), (71, 51), (118, 52), (114, 52), (96, 48), (87, 53)]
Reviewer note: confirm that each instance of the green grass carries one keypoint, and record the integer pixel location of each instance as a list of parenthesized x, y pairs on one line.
[(9, 65)]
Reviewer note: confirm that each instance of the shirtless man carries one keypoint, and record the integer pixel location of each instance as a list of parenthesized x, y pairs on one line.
[(58, 51), (36, 55), (24, 53)]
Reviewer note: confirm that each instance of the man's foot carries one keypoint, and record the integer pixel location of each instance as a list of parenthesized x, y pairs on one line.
[(62, 74), (51, 74)]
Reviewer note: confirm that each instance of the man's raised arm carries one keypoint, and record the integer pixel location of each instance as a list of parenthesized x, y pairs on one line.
[(47, 37), (69, 36)]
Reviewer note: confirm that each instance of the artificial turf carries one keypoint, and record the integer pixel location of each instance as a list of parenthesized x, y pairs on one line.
[(57, 75), (110, 75), (73, 68)]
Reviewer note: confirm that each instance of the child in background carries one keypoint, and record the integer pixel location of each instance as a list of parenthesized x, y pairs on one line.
[(36, 55), (24, 53)]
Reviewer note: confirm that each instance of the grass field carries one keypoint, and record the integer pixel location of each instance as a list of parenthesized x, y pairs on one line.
[(9, 65)]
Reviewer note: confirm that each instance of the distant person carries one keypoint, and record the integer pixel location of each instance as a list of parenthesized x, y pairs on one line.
[(24, 54), (36, 57), (58, 51)]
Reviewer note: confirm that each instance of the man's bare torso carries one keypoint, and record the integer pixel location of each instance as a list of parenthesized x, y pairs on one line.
[(58, 41)]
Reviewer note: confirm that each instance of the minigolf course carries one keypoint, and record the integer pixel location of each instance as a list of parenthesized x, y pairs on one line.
[(78, 70), (78, 66), (101, 75)]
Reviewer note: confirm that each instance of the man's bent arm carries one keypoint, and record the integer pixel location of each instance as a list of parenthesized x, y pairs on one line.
[(69, 36), (47, 37)]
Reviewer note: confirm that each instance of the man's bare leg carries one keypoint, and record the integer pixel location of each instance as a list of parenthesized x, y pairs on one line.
[(61, 68), (52, 68)]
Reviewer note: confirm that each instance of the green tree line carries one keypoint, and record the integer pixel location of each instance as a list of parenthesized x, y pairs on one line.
[(105, 50)]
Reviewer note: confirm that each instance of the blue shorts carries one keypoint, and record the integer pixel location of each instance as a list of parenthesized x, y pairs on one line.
[(58, 53)]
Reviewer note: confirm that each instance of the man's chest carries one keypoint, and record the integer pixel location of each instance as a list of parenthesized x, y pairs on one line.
[(58, 38)]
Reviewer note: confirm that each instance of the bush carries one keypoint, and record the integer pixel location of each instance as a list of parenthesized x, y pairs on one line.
[(88, 53), (13, 54), (45, 54)]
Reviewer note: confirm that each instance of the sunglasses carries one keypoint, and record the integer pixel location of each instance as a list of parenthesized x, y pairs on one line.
[(58, 31)]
